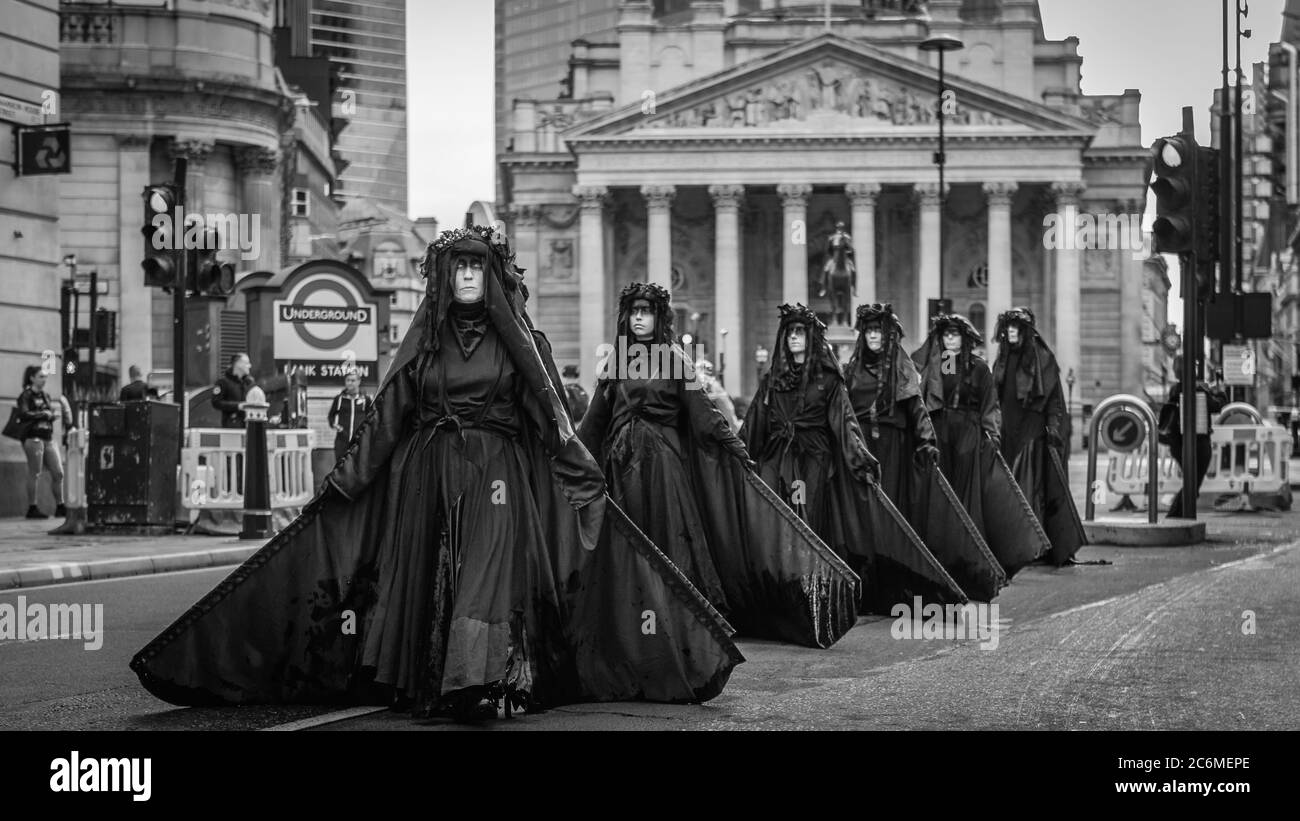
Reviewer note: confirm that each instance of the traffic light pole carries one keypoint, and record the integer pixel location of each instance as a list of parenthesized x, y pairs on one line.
[(178, 297), (94, 331)]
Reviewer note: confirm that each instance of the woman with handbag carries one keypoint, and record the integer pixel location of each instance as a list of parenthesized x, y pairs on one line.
[(36, 411)]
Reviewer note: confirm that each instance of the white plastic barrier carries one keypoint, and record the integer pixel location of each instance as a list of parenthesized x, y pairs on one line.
[(1244, 459), (212, 468), (1127, 473), (1248, 459)]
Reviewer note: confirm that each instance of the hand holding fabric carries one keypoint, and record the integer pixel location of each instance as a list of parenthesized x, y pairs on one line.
[(926, 456)]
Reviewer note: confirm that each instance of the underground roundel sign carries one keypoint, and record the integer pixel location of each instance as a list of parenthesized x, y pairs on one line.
[(324, 322)]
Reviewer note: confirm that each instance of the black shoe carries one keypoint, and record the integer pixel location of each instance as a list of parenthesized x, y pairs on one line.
[(61, 510), (34, 512)]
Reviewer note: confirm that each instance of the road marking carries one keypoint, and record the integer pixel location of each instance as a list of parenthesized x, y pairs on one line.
[(328, 718), (229, 568)]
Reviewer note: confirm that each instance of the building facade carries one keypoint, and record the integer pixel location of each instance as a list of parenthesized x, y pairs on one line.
[(30, 270), (713, 151)]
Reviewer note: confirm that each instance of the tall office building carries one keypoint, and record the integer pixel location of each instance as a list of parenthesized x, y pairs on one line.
[(366, 39)]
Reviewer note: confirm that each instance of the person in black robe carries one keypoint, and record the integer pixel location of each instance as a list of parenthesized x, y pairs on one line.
[(957, 388), (676, 466), (463, 551), (885, 392), (801, 429), (1028, 382)]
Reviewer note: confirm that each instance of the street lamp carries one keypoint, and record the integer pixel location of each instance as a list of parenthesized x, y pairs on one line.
[(943, 43), (722, 357), (760, 359)]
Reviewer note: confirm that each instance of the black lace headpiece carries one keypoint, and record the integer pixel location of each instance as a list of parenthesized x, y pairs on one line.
[(661, 302)]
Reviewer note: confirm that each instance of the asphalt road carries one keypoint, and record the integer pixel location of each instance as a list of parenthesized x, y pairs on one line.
[(1153, 640)]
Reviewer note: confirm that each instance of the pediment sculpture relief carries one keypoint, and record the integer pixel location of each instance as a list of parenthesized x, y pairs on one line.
[(827, 88)]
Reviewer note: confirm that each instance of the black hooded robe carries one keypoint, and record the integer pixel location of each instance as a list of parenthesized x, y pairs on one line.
[(677, 468), (1028, 384), (894, 431), (964, 410), (807, 434), (598, 612)]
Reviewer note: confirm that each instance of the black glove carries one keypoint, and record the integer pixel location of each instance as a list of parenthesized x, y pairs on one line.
[(1054, 439), (996, 440), (926, 455)]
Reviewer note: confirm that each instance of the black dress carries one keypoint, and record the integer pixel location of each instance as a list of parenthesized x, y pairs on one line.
[(674, 464), (897, 429), (964, 410), (465, 547), (809, 448), (1028, 384)]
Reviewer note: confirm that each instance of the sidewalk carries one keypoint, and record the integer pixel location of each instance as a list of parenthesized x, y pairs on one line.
[(29, 556)]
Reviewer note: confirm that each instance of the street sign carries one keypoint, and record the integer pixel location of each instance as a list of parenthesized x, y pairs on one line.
[(19, 111), (44, 149), (1123, 429), (1238, 364)]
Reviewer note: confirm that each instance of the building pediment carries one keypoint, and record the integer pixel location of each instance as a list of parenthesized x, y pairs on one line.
[(827, 85)]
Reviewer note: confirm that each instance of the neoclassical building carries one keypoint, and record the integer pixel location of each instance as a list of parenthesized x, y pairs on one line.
[(714, 150)]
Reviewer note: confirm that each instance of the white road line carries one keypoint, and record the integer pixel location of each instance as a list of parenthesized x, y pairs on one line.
[(328, 718), (228, 568)]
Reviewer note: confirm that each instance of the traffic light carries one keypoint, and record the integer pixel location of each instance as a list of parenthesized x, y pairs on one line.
[(207, 274), (1186, 186), (159, 208), (1175, 163)]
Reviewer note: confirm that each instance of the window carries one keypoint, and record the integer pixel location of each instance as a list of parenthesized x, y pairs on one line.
[(301, 203)]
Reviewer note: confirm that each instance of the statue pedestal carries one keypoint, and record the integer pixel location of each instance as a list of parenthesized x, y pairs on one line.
[(842, 338)]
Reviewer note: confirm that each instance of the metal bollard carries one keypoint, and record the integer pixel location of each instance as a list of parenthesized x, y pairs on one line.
[(257, 477), (74, 483)]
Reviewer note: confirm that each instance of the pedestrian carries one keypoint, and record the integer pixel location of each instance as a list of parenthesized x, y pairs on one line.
[(1028, 381), (885, 391), (683, 476), (346, 412), (1172, 431), (37, 410), (801, 429), (231, 389), (574, 394), (957, 386), (462, 554), (138, 389)]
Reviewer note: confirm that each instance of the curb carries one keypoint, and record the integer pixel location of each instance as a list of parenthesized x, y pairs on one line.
[(70, 572)]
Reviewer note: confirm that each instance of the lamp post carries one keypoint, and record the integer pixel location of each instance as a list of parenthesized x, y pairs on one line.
[(1069, 397), (760, 359), (722, 357), (943, 43)]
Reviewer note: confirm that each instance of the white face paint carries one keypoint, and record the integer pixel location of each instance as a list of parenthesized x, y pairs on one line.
[(797, 340), (468, 279), (875, 337), (951, 340), (642, 321), (1013, 333)]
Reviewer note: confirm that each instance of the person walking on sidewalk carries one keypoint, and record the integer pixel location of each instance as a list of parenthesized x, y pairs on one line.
[(138, 390), (37, 410), (347, 411)]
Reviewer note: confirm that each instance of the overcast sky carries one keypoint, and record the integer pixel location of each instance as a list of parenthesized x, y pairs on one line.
[(450, 60)]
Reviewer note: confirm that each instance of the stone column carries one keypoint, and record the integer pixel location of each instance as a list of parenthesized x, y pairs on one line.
[(1131, 271), (256, 167), (135, 314), (659, 233), (862, 198), (728, 298), (999, 196), (196, 154), (927, 195), (1067, 344), (794, 256), (593, 304), (524, 220)]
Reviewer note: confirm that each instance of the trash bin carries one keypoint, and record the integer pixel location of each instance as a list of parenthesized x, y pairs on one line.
[(131, 463)]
